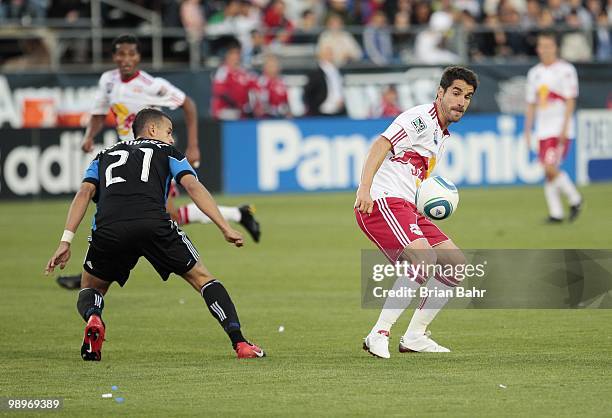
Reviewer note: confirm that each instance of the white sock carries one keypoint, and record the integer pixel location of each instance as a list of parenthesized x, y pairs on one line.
[(194, 214), (568, 188), (553, 199), (394, 307), (428, 308)]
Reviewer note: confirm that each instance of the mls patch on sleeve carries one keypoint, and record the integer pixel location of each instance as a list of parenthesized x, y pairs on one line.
[(419, 125)]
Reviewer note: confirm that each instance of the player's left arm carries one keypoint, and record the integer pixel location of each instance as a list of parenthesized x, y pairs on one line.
[(77, 211), (570, 92), (570, 106), (191, 120)]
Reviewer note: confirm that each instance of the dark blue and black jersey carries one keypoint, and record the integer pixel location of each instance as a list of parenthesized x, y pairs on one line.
[(133, 179)]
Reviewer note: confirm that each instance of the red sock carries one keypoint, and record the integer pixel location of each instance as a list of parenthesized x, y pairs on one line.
[(183, 215)]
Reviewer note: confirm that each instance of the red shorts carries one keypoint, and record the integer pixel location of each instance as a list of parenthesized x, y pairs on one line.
[(552, 152), (394, 223)]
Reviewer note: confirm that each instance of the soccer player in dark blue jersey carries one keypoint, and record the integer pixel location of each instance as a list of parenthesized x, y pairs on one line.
[(129, 181)]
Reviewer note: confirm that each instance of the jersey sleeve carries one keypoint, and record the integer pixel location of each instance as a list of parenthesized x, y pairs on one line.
[(92, 174), (101, 99), (405, 131), (165, 94), (530, 89), (179, 166), (570, 83)]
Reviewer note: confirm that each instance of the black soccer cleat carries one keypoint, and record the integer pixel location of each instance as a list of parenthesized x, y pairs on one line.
[(248, 221), (551, 220), (575, 211), (69, 282)]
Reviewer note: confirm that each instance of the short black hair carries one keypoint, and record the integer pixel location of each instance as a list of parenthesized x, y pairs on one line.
[(547, 33), (457, 72), (146, 116), (126, 39)]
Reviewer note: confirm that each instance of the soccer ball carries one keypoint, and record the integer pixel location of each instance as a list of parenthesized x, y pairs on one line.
[(437, 198)]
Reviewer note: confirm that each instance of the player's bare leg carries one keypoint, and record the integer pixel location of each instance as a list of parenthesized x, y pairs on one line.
[(222, 309), (417, 253), (416, 338), (90, 305)]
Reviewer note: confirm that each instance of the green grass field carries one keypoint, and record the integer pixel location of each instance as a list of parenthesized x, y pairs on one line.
[(171, 359)]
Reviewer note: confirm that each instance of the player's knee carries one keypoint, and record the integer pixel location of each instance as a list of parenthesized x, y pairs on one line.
[(550, 171), (198, 276), (423, 255)]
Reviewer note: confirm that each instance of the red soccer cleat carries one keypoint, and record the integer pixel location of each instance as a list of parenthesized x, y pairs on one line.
[(91, 350), (248, 350)]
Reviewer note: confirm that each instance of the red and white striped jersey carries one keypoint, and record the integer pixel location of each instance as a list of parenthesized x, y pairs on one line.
[(126, 98), (548, 87), (417, 142)]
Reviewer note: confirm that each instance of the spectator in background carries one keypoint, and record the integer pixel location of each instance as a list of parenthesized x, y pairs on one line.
[(575, 46), (558, 9), (529, 20), (430, 45), (584, 16), (306, 31), (278, 28), (377, 39), (389, 102), (232, 87), (422, 13), (192, 19), (238, 18), (603, 38), (272, 100), (323, 93), (515, 42), (340, 8), (402, 38), (343, 46)]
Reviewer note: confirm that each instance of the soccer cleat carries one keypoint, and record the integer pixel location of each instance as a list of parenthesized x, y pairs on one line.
[(553, 221), (69, 282), (377, 344), (248, 350), (249, 222), (420, 344), (91, 350), (575, 211)]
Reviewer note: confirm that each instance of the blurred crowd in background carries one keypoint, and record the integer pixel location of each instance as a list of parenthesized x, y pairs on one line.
[(378, 32)]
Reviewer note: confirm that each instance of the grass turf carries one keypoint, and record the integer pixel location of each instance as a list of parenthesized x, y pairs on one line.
[(169, 358)]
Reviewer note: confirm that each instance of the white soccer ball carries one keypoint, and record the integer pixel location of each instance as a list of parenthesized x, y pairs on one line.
[(437, 198)]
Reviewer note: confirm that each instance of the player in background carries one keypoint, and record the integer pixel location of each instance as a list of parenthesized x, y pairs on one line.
[(402, 156), (125, 91), (272, 92), (552, 89), (234, 88), (129, 183)]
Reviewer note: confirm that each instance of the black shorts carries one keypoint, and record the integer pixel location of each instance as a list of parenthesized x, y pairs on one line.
[(115, 249)]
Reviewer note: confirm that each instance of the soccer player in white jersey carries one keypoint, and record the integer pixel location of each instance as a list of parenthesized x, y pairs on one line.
[(402, 156), (127, 90), (552, 88)]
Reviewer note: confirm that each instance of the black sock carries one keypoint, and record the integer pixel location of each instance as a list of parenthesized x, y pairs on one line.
[(90, 302), (222, 308)]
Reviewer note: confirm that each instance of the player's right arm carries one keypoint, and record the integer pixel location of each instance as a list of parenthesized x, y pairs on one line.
[(205, 202), (531, 98), (77, 211), (375, 158), (98, 113)]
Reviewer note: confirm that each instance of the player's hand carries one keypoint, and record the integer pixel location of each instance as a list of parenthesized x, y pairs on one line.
[(87, 145), (233, 236), (364, 203), (193, 155), (60, 258)]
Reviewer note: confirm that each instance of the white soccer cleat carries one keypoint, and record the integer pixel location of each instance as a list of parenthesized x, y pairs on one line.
[(377, 344), (415, 343)]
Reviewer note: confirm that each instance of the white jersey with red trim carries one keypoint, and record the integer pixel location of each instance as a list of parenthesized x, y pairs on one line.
[(549, 87), (126, 98), (417, 141)]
